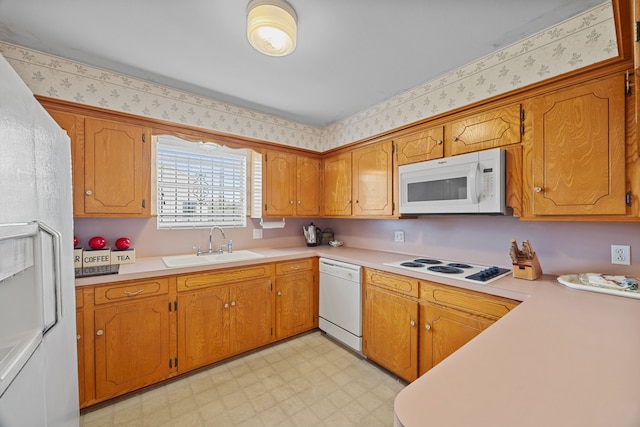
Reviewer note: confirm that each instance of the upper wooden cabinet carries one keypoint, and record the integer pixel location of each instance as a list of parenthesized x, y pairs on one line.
[(116, 168), (420, 146), (292, 185), (111, 166), (576, 164), (495, 128), (360, 183), (336, 185)]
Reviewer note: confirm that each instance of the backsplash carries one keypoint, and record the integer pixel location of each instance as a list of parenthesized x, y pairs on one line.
[(585, 39)]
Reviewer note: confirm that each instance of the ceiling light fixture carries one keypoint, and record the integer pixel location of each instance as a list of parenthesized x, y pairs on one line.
[(271, 26)]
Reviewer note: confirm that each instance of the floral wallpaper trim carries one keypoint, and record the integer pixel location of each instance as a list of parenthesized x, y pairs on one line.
[(585, 39)]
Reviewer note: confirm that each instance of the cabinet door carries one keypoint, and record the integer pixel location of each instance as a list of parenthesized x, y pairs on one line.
[(443, 331), (279, 184), (72, 124), (578, 153), (116, 168), (131, 346), (336, 185), (307, 187), (373, 179), (294, 304), (251, 318), (390, 332), (420, 146), (80, 350), (203, 327), (491, 129)]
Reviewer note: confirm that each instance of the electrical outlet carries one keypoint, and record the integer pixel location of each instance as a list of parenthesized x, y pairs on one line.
[(399, 236), (257, 233), (621, 254)]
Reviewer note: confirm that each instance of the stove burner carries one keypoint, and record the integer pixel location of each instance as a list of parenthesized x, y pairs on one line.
[(412, 264), (445, 269), (459, 265), (427, 261)]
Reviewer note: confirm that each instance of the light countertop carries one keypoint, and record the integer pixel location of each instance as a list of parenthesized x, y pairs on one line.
[(563, 357)]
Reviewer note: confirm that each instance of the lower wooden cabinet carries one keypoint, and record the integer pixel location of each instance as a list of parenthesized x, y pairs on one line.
[(223, 320), (131, 346), (390, 322), (296, 289)]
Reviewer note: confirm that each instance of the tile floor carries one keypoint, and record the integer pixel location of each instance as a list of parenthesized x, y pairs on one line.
[(306, 381)]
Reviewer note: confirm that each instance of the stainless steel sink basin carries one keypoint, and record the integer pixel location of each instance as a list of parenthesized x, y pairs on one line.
[(204, 259)]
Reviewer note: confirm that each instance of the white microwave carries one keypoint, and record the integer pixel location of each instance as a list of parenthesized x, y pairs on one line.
[(472, 183)]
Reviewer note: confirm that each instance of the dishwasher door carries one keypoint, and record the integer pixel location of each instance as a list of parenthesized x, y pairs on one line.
[(340, 306)]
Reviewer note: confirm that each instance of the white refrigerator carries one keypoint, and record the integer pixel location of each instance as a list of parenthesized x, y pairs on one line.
[(38, 362)]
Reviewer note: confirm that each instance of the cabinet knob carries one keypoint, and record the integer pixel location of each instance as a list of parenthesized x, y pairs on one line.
[(290, 202), (413, 323), (88, 192), (439, 142), (233, 303), (279, 293), (427, 327), (226, 305), (78, 337), (99, 332), (454, 138), (299, 202), (537, 189)]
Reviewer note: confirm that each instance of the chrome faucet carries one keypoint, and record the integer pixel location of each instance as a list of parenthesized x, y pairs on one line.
[(219, 251)]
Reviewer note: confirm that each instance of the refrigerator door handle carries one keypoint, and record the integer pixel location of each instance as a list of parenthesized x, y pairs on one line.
[(53, 295)]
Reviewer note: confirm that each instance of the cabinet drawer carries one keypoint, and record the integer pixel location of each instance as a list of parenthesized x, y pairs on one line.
[(294, 266), (141, 289), (202, 280), (469, 301), (401, 284), (79, 298)]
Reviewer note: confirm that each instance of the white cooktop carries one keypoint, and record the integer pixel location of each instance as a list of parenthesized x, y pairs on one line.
[(457, 270)]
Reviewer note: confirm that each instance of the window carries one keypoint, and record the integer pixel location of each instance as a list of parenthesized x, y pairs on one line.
[(200, 184)]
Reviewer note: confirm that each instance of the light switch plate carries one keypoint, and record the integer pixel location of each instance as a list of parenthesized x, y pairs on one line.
[(257, 233)]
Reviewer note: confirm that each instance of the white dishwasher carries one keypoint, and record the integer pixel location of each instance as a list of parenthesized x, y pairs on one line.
[(341, 302)]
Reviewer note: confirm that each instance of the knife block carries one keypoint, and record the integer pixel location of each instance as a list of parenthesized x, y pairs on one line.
[(528, 269)]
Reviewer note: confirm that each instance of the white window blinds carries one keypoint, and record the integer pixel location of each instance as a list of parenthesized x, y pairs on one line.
[(200, 184)]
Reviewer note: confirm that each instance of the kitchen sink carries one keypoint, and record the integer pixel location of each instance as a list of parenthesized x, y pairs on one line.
[(204, 259)]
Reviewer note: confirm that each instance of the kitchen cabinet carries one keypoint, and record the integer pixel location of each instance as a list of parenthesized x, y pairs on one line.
[(291, 185), (490, 129), (80, 343), (576, 162), (336, 185), (450, 317), (296, 298), (420, 146), (131, 337), (111, 164), (223, 313), (390, 322), (373, 180), (360, 183)]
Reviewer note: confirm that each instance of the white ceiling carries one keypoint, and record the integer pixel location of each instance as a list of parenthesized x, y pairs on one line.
[(351, 54)]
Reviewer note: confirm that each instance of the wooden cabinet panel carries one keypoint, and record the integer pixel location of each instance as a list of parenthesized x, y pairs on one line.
[(444, 331), (250, 322), (203, 327), (578, 156), (307, 187), (494, 128), (489, 306), (336, 185), (420, 146), (81, 356), (294, 266), (131, 346), (390, 333), (203, 280), (373, 180), (294, 304), (131, 290), (116, 168), (279, 181)]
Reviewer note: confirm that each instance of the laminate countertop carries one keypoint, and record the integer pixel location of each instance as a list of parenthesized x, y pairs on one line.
[(563, 357)]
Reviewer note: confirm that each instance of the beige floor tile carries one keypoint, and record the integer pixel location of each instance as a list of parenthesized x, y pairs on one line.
[(306, 381)]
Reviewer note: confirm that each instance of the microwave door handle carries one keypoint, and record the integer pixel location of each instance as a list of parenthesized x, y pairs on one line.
[(472, 182), (57, 277)]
